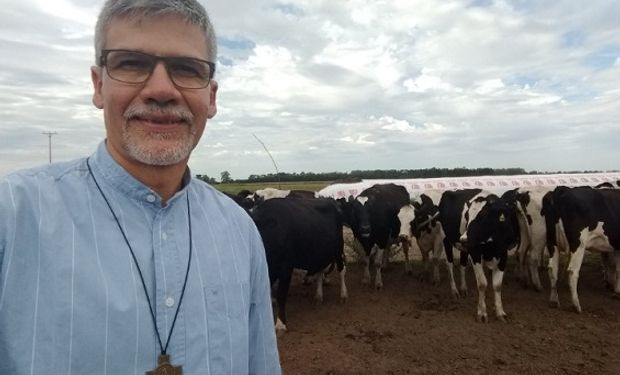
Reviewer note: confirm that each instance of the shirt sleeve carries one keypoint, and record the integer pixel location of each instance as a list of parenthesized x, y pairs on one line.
[(7, 217), (263, 348)]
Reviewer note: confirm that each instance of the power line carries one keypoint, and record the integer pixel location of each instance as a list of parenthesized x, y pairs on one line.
[(49, 137)]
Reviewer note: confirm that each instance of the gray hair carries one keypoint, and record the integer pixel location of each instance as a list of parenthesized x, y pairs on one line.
[(189, 10)]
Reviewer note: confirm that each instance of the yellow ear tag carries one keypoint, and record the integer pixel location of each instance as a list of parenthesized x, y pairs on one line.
[(502, 218)]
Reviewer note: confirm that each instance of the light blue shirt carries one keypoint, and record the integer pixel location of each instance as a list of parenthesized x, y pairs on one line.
[(71, 299)]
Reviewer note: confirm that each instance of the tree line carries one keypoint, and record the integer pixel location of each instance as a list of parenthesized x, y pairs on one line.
[(357, 175)]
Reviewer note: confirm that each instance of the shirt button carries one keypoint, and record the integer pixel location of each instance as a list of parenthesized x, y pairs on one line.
[(150, 198), (169, 301), (164, 236)]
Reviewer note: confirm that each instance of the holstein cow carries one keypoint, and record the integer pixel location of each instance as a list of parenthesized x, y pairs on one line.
[(488, 228), (270, 193), (532, 234), (300, 233), (452, 209), (243, 199), (372, 216), (580, 219), (420, 220)]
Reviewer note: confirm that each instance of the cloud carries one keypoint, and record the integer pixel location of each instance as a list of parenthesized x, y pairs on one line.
[(362, 84)]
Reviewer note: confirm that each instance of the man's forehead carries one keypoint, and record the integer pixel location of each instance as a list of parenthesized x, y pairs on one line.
[(166, 34)]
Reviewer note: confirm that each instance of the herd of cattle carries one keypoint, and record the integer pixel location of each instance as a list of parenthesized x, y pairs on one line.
[(303, 231)]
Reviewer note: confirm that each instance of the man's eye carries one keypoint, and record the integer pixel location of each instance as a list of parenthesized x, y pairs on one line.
[(131, 64), (188, 69)]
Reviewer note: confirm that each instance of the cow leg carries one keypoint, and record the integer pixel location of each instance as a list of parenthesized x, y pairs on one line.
[(318, 296), (534, 256), (449, 265), (425, 265), (378, 264), (405, 245), (574, 265), (481, 281), (608, 262), (436, 258), (554, 264), (385, 256), (366, 258), (498, 277), (281, 295), (344, 294), (521, 270), (463, 262), (616, 271)]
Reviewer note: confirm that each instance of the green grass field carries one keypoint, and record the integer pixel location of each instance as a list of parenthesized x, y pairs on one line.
[(234, 188)]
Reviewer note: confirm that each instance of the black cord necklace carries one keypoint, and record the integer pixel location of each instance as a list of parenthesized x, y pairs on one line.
[(163, 362)]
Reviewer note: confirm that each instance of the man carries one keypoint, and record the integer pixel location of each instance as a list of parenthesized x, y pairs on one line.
[(121, 263)]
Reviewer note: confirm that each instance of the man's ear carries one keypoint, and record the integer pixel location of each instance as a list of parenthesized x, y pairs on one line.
[(212, 99), (96, 75)]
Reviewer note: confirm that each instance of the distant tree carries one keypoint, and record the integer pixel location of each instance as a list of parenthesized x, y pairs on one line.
[(226, 177), (207, 179)]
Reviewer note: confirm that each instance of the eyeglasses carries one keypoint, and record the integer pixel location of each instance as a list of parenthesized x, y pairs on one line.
[(136, 67)]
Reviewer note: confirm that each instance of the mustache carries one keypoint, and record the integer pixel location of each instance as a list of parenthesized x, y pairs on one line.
[(153, 109)]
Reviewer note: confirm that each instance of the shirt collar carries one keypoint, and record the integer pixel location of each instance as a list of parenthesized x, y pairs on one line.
[(107, 169)]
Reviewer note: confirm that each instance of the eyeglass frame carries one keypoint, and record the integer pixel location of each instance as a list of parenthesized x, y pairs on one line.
[(157, 59)]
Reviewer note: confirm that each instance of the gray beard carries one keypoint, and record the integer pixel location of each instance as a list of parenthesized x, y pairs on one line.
[(137, 146)]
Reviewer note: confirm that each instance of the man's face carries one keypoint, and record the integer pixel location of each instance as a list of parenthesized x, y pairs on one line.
[(154, 123)]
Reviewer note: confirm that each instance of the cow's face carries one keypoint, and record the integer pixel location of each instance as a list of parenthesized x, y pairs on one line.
[(426, 215), (359, 216), (406, 216), (492, 226)]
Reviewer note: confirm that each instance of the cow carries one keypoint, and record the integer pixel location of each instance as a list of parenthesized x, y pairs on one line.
[(372, 216), (243, 199), (270, 193), (483, 227), (420, 220), (303, 234), (452, 208), (580, 219), (491, 230), (532, 234)]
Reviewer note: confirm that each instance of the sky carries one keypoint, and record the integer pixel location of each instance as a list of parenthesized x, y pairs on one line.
[(341, 85)]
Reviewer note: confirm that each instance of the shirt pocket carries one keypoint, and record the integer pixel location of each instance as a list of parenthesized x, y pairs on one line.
[(228, 300)]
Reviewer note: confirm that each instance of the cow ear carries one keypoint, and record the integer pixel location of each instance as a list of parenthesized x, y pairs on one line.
[(426, 200)]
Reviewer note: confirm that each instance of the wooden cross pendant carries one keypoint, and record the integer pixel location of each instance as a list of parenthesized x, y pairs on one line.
[(165, 368)]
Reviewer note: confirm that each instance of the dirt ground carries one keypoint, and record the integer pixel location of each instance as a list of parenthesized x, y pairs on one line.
[(411, 327)]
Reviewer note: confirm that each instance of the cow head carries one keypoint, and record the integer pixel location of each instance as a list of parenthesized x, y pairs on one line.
[(356, 215), (426, 215), (406, 216), (493, 224)]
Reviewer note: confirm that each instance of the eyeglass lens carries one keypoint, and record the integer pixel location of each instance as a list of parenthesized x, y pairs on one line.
[(136, 67)]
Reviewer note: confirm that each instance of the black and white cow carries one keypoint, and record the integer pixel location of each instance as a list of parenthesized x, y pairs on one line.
[(244, 198), (484, 227), (300, 233), (452, 208), (270, 193), (491, 230), (420, 220), (373, 218), (532, 234), (580, 219)]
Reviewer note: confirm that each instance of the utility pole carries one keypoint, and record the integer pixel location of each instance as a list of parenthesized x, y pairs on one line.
[(49, 137)]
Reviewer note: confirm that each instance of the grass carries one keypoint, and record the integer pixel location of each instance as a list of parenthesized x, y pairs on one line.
[(234, 187)]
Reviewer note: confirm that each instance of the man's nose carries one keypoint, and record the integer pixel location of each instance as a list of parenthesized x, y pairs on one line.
[(160, 87)]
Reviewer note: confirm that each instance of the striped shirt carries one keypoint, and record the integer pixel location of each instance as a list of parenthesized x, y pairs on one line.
[(71, 299)]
